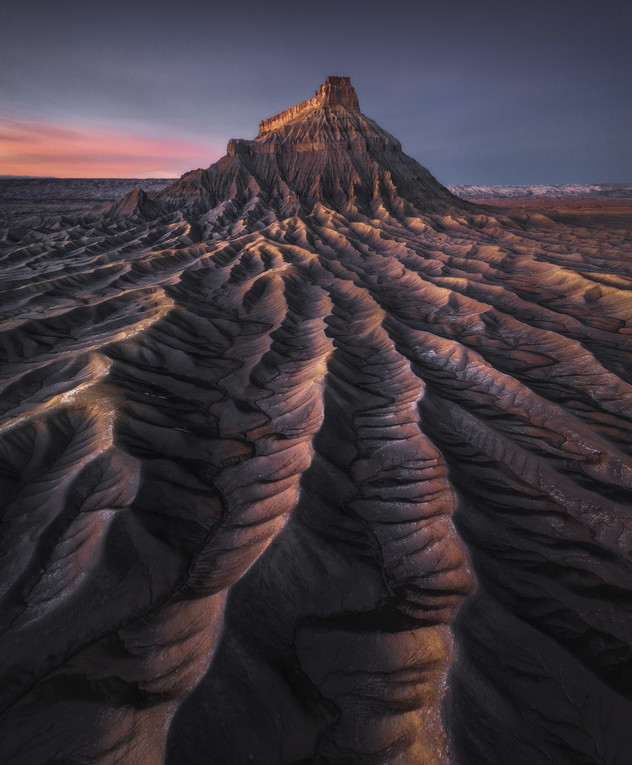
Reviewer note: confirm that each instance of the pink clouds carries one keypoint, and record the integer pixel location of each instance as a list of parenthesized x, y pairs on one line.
[(36, 148)]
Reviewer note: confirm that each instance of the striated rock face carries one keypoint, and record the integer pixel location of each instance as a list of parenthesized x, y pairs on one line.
[(265, 431), (337, 91)]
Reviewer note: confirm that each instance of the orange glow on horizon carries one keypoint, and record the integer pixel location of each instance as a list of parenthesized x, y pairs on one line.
[(44, 149)]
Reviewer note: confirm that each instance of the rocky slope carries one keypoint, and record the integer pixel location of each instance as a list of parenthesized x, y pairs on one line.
[(265, 430)]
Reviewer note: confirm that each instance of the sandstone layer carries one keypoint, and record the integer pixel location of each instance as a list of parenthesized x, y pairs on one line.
[(305, 460)]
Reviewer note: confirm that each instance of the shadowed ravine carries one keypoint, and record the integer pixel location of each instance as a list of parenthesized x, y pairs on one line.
[(305, 460)]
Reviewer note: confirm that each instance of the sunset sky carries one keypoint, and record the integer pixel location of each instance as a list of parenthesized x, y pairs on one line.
[(488, 92)]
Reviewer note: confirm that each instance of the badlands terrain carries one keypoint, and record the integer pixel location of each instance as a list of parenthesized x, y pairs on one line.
[(307, 460)]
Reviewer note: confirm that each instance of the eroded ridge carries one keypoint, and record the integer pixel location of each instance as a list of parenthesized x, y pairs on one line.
[(263, 434)]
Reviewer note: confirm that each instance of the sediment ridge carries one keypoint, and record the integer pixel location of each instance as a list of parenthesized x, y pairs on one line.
[(305, 460)]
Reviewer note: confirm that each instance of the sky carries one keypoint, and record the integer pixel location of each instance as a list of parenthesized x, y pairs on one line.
[(481, 92)]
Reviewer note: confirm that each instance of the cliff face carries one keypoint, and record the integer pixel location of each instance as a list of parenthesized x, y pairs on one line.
[(336, 91), (305, 461)]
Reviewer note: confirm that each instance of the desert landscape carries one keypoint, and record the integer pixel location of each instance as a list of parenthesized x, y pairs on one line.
[(308, 458)]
